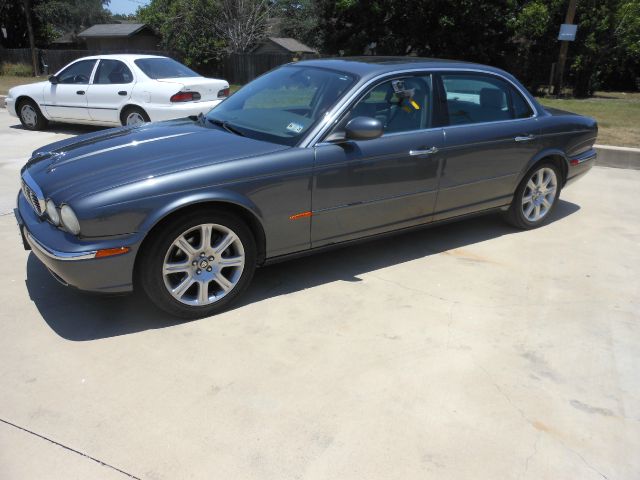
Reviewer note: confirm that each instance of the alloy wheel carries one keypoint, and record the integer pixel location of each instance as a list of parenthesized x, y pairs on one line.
[(203, 264), (539, 194)]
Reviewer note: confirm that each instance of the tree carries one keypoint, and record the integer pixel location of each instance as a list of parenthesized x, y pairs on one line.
[(465, 29), (50, 19), (187, 27), (300, 19), (243, 23), (58, 17)]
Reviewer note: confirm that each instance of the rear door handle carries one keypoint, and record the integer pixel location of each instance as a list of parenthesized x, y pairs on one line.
[(122, 92), (80, 92), (524, 138), (428, 151)]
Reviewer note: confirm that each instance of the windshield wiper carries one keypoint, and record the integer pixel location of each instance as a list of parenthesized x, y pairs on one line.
[(227, 126)]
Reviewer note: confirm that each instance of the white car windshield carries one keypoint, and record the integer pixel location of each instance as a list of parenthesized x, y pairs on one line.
[(158, 68), (282, 105)]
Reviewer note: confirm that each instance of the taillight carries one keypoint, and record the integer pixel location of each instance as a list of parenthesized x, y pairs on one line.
[(223, 93), (185, 97)]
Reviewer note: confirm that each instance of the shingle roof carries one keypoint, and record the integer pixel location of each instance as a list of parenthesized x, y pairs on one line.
[(292, 45), (112, 30)]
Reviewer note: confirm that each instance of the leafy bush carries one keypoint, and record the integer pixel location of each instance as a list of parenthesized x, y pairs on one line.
[(16, 69)]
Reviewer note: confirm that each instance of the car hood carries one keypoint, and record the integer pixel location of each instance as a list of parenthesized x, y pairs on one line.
[(110, 158)]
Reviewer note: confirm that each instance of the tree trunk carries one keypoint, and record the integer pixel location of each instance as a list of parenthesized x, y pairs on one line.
[(32, 39)]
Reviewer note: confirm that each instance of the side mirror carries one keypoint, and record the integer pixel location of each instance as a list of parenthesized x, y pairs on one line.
[(363, 128), (53, 79)]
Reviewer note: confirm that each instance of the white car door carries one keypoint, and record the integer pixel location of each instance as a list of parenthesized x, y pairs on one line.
[(111, 88), (66, 97)]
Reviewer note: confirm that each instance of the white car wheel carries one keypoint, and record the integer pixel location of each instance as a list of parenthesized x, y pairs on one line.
[(134, 117), (30, 115)]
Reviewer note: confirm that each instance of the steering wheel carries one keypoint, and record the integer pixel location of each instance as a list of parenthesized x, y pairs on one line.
[(80, 79)]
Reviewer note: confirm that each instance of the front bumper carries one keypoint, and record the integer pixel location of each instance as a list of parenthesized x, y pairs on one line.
[(71, 261), (159, 113), (580, 164), (10, 104)]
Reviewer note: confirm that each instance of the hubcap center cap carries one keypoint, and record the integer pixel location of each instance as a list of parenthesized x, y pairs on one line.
[(204, 263)]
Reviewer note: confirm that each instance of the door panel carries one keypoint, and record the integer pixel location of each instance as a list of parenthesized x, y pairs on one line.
[(111, 88), (67, 100), (482, 164), (372, 186), (486, 145)]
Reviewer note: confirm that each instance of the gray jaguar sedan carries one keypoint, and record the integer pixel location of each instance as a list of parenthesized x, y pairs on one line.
[(306, 157)]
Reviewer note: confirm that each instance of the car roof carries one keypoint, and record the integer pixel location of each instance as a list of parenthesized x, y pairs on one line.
[(373, 65), (120, 56)]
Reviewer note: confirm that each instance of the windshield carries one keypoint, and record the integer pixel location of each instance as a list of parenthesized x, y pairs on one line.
[(157, 68), (282, 105)]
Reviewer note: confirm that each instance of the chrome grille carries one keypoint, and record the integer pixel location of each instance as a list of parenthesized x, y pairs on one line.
[(30, 193)]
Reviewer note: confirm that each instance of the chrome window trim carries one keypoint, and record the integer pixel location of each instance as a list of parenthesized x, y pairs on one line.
[(313, 137), (392, 134), (57, 255)]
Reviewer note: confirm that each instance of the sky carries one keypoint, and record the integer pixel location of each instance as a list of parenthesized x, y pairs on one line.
[(126, 6)]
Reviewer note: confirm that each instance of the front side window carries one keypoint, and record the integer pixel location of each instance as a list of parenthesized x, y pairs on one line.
[(77, 73), (282, 105), (158, 68), (401, 105), (112, 72), (481, 98)]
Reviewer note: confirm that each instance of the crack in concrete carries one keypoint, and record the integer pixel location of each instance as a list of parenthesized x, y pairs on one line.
[(530, 422), (533, 454), (104, 464)]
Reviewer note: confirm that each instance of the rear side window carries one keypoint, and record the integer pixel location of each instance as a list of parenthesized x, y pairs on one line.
[(112, 72), (521, 108), (162, 67), (473, 98)]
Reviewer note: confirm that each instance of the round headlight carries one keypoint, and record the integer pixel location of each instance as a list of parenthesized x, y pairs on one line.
[(69, 220), (52, 212)]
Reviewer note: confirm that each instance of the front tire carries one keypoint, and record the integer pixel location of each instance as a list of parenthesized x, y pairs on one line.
[(30, 115), (198, 264), (536, 197)]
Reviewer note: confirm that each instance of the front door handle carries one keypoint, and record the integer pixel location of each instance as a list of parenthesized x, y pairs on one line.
[(428, 151), (122, 93), (526, 138), (80, 92)]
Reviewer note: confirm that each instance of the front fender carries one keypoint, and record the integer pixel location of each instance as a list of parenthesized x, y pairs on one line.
[(141, 214), (195, 199)]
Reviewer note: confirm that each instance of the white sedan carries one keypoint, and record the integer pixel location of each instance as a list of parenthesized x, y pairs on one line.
[(114, 90)]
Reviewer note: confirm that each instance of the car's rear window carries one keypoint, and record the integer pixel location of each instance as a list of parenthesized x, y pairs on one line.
[(158, 68)]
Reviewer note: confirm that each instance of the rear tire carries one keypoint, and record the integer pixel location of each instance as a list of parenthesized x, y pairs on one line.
[(536, 197), (134, 117), (198, 263), (30, 115)]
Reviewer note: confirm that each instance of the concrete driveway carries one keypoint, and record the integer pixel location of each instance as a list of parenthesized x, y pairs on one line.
[(467, 351)]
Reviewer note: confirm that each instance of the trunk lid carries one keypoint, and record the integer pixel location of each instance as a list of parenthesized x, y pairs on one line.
[(208, 88)]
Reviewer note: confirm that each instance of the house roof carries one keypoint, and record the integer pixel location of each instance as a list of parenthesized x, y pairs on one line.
[(112, 30), (292, 45)]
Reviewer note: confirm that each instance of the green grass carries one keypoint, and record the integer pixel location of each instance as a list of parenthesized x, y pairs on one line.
[(10, 81), (617, 114)]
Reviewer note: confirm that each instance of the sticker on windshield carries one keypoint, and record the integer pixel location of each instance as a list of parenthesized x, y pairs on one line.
[(294, 127)]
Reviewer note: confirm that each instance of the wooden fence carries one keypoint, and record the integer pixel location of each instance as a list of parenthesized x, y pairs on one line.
[(243, 67), (238, 68)]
